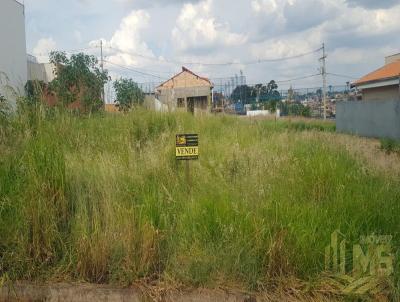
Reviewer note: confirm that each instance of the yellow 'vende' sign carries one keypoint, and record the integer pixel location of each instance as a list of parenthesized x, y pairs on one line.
[(187, 146), (187, 151)]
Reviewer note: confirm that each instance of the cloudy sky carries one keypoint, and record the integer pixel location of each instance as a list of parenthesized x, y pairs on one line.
[(155, 37)]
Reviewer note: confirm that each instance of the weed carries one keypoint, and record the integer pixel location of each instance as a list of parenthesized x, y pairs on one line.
[(390, 145), (102, 199)]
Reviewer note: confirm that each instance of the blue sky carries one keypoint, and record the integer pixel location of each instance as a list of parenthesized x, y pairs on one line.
[(357, 33)]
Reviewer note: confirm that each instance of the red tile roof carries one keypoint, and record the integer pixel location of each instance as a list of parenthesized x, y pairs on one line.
[(386, 72)]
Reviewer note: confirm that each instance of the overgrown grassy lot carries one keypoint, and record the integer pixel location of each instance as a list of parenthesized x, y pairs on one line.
[(102, 199)]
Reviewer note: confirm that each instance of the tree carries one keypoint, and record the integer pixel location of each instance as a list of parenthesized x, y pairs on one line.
[(257, 93), (272, 91), (270, 95), (128, 94), (242, 93), (271, 87), (295, 109), (78, 78), (258, 90)]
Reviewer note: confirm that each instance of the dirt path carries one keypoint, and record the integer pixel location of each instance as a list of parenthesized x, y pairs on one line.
[(29, 292)]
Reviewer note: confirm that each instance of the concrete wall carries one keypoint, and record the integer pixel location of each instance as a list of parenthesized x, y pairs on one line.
[(40, 71), (385, 93), (372, 118), (13, 59)]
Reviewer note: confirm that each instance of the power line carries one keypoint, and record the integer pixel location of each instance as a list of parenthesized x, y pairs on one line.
[(70, 51), (151, 73), (342, 76), (218, 64), (299, 78), (134, 70), (149, 70), (294, 79), (283, 58)]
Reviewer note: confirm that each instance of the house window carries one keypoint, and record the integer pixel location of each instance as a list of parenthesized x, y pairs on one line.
[(181, 102)]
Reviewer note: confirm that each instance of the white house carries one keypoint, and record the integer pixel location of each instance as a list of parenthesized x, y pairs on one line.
[(13, 63)]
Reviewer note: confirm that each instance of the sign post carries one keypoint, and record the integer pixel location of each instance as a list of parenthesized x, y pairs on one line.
[(186, 149)]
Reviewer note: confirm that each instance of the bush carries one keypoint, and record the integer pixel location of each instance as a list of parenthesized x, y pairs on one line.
[(390, 145), (34, 90), (4, 107), (78, 78), (4, 116), (128, 94)]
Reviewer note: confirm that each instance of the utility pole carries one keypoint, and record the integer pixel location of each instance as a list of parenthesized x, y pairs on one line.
[(102, 70), (323, 72)]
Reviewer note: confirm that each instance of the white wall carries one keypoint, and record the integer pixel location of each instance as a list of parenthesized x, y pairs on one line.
[(40, 71), (257, 113), (13, 60)]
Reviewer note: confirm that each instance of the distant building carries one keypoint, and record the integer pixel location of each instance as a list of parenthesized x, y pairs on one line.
[(185, 91), (13, 65), (40, 71), (383, 83)]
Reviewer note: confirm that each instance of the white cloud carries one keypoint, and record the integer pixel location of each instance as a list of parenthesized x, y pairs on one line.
[(279, 17), (357, 37), (288, 46), (197, 29), (127, 44), (42, 49), (363, 22), (264, 6), (128, 36), (379, 21)]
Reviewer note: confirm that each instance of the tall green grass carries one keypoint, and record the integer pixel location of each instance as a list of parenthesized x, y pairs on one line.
[(390, 145), (102, 199)]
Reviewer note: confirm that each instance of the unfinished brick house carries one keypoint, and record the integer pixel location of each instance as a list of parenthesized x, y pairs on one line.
[(186, 91)]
